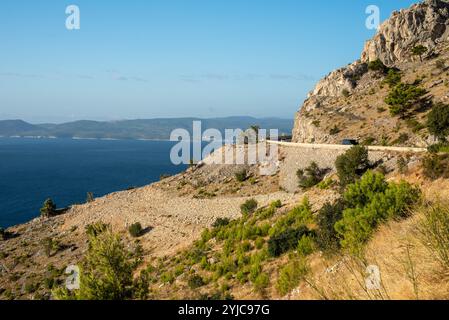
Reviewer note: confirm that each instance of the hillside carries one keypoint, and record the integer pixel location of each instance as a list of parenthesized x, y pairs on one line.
[(136, 129), (327, 224), (351, 102)]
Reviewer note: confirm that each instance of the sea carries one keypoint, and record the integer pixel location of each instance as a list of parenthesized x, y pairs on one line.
[(65, 170)]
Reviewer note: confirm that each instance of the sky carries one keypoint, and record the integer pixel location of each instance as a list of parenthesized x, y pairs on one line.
[(173, 58)]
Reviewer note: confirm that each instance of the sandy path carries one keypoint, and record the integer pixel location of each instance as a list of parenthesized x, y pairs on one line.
[(176, 221)]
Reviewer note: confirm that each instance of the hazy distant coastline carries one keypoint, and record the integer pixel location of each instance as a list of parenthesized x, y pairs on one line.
[(147, 129)]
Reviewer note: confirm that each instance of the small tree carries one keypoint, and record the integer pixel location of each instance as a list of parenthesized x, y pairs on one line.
[(352, 164), (49, 209), (90, 197), (419, 51), (135, 230), (310, 176), (377, 65), (107, 272), (402, 97), (438, 121)]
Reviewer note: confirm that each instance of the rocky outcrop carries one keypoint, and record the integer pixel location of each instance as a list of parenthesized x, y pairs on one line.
[(426, 23), (422, 24)]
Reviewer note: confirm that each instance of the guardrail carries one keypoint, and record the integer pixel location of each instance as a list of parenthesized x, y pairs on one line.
[(344, 147)]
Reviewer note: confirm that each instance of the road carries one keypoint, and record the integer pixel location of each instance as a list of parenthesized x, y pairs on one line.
[(343, 147)]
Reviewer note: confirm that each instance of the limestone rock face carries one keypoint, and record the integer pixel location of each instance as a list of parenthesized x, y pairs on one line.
[(339, 80), (425, 23), (422, 24)]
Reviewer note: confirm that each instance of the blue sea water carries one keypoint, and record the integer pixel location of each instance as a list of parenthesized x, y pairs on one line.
[(32, 170)]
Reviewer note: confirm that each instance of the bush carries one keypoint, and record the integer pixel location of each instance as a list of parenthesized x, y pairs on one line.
[(195, 282), (97, 228), (221, 222), (393, 78), (107, 273), (327, 237), (352, 164), (276, 204), (438, 121), (310, 176), (439, 147), (345, 93), (241, 176), (434, 228), (259, 243), (335, 130), (402, 165), (305, 246), (435, 166), (377, 65), (261, 282), (49, 209), (249, 206), (402, 97), (370, 202), (290, 275), (286, 240), (135, 230), (419, 50), (90, 197), (50, 246)]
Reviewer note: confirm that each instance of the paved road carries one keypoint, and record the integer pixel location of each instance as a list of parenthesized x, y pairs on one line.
[(343, 147)]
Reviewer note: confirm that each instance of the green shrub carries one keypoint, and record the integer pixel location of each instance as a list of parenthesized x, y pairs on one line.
[(90, 197), (49, 209), (334, 131), (368, 141), (261, 282), (352, 164), (249, 207), (402, 165), (419, 50), (435, 166), (291, 275), (135, 230), (393, 78), (345, 93), (305, 246), (370, 202), (403, 97), (327, 238), (377, 65), (107, 272), (439, 147), (310, 176), (434, 228), (195, 282), (221, 222), (241, 175), (286, 240), (259, 243), (326, 184), (276, 204), (438, 121), (403, 138), (97, 228), (51, 246)]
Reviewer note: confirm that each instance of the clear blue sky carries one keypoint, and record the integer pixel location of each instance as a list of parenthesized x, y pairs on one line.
[(171, 58)]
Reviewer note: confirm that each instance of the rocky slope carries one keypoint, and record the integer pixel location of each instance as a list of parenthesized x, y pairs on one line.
[(347, 99)]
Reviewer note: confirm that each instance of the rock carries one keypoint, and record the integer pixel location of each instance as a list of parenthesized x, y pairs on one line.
[(425, 24)]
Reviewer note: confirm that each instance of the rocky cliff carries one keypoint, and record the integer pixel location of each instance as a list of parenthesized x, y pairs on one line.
[(350, 95)]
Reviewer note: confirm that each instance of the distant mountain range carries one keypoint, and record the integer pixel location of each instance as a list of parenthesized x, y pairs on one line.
[(135, 129)]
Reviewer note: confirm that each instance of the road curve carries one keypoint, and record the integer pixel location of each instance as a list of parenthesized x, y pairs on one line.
[(343, 147)]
